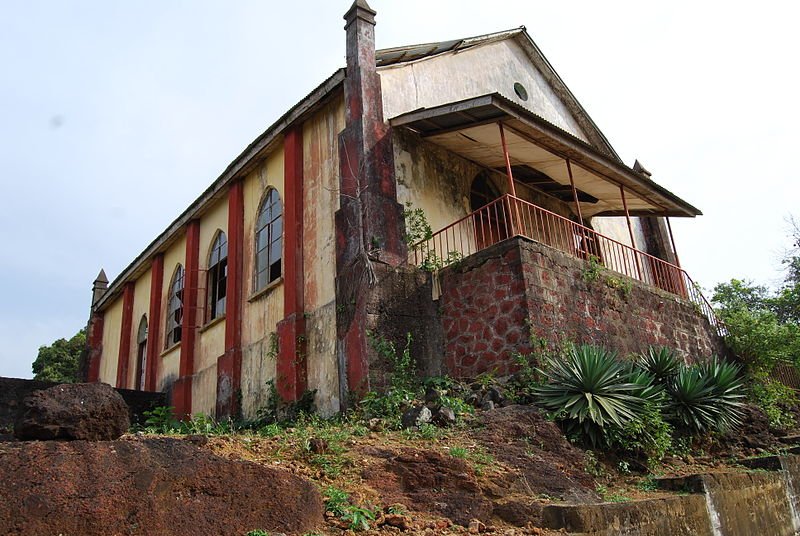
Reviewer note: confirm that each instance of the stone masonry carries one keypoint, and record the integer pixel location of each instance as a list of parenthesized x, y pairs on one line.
[(493, 302)]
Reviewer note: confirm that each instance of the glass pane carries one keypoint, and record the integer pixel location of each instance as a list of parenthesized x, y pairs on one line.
[(261, 240), (261, 280), (264, 216), (222, 287), (275, 251), (277, 228), (261, 260), (277, 210)]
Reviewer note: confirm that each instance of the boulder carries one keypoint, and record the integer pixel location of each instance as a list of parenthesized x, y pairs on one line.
[(147, 487), (90, 411)]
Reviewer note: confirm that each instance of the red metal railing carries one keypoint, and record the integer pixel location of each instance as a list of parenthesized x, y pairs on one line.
[(510, 216)]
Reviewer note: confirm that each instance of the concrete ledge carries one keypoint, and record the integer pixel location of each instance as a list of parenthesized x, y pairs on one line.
[(724, 503), (677, 516)]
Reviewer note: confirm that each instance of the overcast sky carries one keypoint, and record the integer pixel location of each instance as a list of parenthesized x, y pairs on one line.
[(115, 115)]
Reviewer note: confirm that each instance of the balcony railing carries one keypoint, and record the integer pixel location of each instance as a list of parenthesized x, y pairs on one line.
[(510, 216)]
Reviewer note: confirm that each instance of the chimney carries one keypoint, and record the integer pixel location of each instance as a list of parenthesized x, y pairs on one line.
[(362, 85), (368, 191), (369, 222), (99, 287)]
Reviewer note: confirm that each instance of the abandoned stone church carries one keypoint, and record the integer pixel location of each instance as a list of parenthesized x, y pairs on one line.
[(283, 267)]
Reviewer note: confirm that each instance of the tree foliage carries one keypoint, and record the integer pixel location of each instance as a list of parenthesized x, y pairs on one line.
[(59, 362), (764, 324)]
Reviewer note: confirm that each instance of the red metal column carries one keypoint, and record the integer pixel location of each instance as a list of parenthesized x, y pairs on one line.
[(291, 366), (672, 241), (511, 188), (229, 366), (154, 322), (182, 388), (516, 226), (125, 335), (630, 231), (574, 192)]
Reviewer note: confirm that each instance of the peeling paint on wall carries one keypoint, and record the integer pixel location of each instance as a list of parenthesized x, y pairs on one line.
[(450, 77)]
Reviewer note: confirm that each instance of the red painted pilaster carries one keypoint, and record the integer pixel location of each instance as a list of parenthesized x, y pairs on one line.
[(229, 365), (369, 218), (154, 323), (94, 339), (291, 365), (182, 388), (125, 335)]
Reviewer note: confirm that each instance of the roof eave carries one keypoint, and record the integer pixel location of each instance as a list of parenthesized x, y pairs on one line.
[(566, 145), (240, 166)]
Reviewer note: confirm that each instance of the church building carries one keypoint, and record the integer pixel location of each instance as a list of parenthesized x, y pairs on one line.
[(299, 255)]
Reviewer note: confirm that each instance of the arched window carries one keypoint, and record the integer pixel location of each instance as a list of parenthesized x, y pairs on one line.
[(175, 308), (217, 277), (141, 354), (483, 191), (269, 238)]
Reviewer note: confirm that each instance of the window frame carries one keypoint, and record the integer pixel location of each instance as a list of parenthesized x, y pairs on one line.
[(217, 277), (141, 354), (268, 217), (174, 318)]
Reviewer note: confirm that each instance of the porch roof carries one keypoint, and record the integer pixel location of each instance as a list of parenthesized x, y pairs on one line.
[(470, 128)]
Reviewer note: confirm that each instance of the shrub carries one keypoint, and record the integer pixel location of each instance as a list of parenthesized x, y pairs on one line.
[(773, 398), (706, 397), (727, 384), (161, 420), (337, 502), (403, 388), (660, 362), (648, 437), (590, 390)]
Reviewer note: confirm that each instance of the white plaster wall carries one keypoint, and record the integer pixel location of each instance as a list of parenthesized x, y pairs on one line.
[(141, 307), (321, 200), (111, 329), (169, 365), (490, 68), (261, 312)]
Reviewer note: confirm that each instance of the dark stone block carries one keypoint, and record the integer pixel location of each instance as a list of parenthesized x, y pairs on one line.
[(89, 411)]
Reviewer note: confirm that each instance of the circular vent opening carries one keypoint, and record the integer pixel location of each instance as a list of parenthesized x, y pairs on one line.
[(521, 92)]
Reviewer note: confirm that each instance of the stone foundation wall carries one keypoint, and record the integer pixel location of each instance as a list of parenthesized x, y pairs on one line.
[(401, 304), (14, 390), (494, 300), (484, 311)]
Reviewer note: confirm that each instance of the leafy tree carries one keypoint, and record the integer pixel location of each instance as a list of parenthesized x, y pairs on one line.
[(756, 331), (763, 330), (764, 325), (59, 361)]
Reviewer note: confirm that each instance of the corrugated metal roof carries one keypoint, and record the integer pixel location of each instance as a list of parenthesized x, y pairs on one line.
[(391, 56)]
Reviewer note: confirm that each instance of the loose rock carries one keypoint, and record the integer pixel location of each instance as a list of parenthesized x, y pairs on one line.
[(444, 416), (416, 416)]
